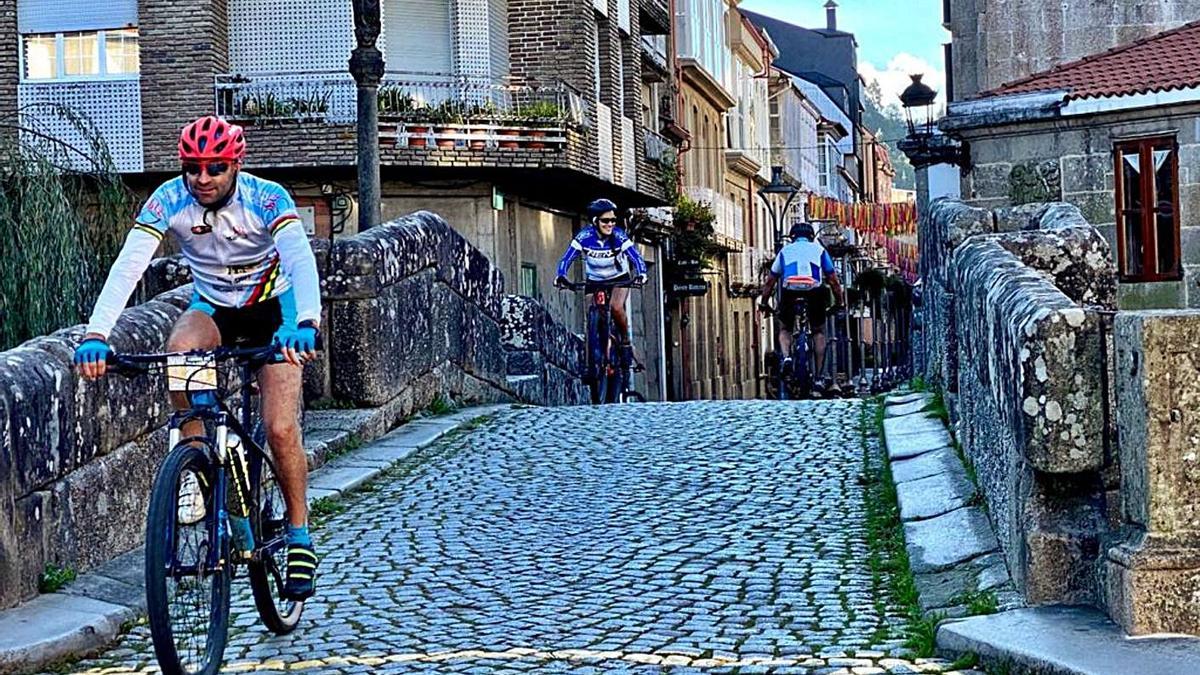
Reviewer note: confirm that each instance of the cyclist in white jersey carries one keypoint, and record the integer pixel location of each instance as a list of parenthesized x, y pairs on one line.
[(800, 270), (255, 282)]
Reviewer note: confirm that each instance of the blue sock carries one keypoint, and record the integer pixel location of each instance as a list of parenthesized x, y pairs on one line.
[(299, 535)]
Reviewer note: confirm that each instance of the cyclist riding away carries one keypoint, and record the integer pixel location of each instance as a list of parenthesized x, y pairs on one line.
[(799, 270), (255, 282), (604, 246)]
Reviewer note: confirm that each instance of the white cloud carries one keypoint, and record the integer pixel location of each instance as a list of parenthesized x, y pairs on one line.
[(895, 78)]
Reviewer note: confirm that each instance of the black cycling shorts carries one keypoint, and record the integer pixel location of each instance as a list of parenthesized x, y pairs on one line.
[(244, 327), (817, 301)]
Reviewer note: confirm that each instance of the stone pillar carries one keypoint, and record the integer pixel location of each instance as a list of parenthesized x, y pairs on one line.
[(1152, 578)]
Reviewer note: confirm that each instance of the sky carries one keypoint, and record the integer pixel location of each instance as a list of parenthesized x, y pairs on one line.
[(896, 38)]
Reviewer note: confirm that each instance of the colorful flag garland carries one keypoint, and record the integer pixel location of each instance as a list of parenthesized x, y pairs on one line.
[(877, 225)]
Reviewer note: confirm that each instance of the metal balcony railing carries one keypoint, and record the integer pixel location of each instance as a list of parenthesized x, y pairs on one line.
[(657, 147), (403, 97)]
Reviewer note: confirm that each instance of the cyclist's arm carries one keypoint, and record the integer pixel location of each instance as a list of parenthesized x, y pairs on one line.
[(831, 274), (635, 256), (123, 278), (772, 278), (568, 258), (298, 262)]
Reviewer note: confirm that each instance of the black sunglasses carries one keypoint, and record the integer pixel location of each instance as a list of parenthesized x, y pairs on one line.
[(603, 220), (214, 168)]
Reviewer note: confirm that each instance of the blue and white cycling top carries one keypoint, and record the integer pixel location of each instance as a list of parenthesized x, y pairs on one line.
[(602, 257), (252, 249), (801, 265)]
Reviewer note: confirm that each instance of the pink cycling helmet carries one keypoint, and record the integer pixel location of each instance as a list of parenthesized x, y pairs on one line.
[(212, 138)]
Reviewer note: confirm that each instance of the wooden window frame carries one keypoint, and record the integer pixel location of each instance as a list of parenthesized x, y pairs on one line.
[(1145, 148)]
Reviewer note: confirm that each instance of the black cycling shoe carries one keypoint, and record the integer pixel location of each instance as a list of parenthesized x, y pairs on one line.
[(300, 583)]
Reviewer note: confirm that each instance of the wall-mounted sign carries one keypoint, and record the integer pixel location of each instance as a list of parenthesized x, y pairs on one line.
[(690, 288)]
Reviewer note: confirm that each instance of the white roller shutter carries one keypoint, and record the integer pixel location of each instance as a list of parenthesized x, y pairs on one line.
[(290, 36), (498, 37), (57, 16), (417, 36)]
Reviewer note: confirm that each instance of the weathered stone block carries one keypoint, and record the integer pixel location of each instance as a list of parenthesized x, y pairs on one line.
[(1153, 577)]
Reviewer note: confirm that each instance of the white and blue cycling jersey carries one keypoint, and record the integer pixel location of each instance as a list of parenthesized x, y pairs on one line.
[(602, 256), (252, 249), (802, 265)]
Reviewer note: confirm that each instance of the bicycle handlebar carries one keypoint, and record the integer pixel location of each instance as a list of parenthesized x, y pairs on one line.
[(138, 364), (574, 286)]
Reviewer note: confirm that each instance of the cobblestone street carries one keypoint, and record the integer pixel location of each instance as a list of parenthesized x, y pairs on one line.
[(718, 537)]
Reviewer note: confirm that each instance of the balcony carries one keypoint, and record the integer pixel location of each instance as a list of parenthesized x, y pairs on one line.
[(415, 110), (728, 225), (654, 58), (657, 147), (746, 269)]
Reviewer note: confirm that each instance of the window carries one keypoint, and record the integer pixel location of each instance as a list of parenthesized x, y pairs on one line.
[(1147, 178), (529, 281), (823, 162), (92, 54)]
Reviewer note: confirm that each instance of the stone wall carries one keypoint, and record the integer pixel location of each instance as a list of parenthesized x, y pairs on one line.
[(998, 41), (1028, 309), (411, 311), (1072, 161)]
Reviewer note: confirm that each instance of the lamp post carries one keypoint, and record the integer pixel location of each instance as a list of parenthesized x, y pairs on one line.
[(922, 146), (366, 65), (777, 186)]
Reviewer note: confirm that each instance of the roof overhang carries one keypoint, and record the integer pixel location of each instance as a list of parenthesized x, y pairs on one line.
[(1096, 105), (999, 110)]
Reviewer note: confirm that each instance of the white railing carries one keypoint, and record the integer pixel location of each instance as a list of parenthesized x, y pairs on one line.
[(657, 147), (604, 133), (628, 154), (750, 266), (406, 97), (112, 108), (655, 46), (728, 214)]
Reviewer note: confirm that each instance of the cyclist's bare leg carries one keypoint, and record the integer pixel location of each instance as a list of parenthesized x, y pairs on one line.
[(619, 295), (819, 346), (193, 330), (280, 385), (785, 341)]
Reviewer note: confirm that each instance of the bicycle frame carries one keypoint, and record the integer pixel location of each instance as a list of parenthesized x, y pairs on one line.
[(209, 406), (600, 347)]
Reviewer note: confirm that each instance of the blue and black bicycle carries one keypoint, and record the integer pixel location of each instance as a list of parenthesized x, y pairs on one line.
[(203, 483), (609, 369)]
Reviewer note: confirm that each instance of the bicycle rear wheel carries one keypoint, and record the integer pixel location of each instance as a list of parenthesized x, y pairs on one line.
[(268, 521), (187, 599)]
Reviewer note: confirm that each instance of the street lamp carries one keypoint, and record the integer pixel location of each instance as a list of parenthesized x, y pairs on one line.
[(777, 186), (922, 146), (366, 65)]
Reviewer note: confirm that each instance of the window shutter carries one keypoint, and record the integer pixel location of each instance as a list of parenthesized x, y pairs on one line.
[(56, 16), (418, 36)]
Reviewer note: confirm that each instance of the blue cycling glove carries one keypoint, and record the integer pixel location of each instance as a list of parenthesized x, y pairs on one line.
[(301, 339), (91, 350)]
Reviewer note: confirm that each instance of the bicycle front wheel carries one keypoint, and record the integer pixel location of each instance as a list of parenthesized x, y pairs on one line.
[(187, 596), (269, 523)]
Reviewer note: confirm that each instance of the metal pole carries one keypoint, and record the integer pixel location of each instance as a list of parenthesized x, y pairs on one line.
[(366, 65)]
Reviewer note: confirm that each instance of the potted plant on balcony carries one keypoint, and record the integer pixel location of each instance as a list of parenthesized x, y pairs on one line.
[(695, 236), (540, 115), (480, 116), (447, 119)]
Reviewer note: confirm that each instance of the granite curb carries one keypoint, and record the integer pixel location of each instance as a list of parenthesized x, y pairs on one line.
[(952, 550), (92, 611)]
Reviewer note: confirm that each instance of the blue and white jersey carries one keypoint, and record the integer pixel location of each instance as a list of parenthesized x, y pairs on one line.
[(252, 249), (603, 258), (802, 265)]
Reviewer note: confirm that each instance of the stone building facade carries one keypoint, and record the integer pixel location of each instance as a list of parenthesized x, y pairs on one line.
[(1065, 134), (998, 41)]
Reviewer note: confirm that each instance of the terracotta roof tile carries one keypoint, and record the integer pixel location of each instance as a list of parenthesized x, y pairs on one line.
[(1161, 62)]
